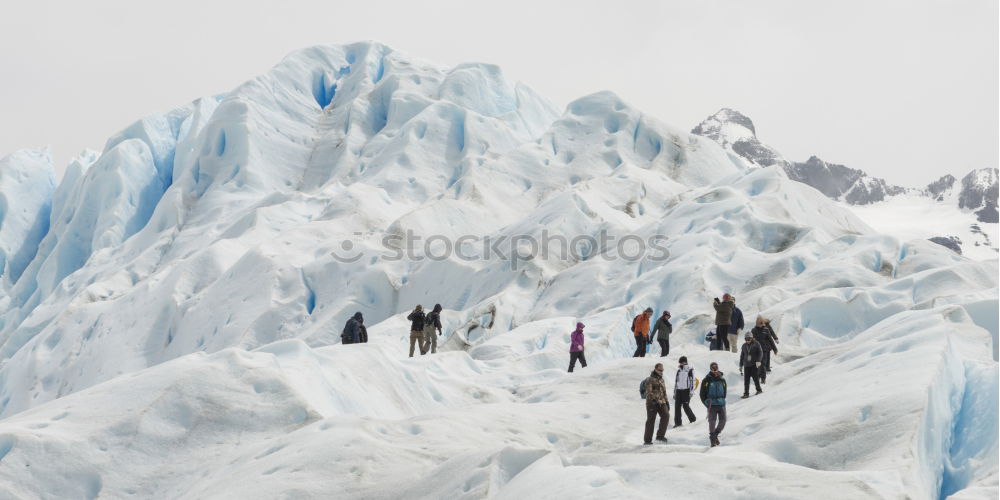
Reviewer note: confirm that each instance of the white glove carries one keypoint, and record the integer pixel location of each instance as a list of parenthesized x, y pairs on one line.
[(757, 364)]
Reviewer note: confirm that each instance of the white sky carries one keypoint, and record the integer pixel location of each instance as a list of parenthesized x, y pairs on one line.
[(904, 89)]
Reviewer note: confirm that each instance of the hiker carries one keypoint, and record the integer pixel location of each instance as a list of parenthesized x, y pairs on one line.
[(750, 356), (417, 329), (662, 331), (684, 383), (768, 341), (723, 318), (735, 326), (640, 328), (352, 330), (576, 347), (432, 330), (713, 396), (656, 404)]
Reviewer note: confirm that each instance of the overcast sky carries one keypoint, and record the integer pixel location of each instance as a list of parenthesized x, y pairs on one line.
[(904, 89)]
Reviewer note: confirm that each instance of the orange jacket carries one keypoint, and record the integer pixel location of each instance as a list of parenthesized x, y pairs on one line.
[(641, 325)]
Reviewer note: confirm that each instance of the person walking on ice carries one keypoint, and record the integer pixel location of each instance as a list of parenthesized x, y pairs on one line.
[(713, 396), (768, 341), (735, 326), (416, 319), (750, 357), (432, 329), (684, 383), (662, 331), (654, 391), (640, 329), (723, 318), (576, 348), (352, 330)]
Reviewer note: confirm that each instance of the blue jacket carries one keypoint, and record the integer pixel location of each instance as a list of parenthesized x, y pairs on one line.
[(736, 320)]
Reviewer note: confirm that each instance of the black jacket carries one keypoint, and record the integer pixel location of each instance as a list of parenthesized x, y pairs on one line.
[(416, 321), (352, 330), (765, 337), (750, 354), (433, 318)]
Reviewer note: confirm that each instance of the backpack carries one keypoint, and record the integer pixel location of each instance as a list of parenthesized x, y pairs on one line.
[(716, 389), (642, 388), (633, 331)]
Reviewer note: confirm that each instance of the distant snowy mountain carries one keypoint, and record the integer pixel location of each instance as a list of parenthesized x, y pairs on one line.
[(975, 196), (171, 312)]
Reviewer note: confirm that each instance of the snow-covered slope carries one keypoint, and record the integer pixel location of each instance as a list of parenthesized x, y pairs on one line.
[(27, 181), (177, 332)]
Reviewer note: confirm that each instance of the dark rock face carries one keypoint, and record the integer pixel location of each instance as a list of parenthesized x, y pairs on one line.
[(841, 183), (735, 130), (951, 242), (979, 191), (937, 188)]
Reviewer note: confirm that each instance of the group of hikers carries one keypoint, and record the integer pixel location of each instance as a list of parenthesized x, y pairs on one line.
[(424, 329), (713, 395), (759, 342), (754, 363)]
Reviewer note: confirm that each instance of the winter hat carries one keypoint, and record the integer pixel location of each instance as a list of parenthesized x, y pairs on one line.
[(666, 313), (748, 335), (649, 309), (684, 359), (437, 308), (726, 297)]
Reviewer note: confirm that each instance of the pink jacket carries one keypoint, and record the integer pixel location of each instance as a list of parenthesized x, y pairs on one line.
[(576, 339)]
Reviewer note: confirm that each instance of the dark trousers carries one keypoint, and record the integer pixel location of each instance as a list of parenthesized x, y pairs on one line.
[(664, 347), (716, 420), (573, 356), (765, 363), (682, 398), (721, 338), (640, 347), (652, 410), (750, 372)]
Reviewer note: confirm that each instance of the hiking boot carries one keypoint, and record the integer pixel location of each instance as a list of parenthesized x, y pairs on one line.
[(693, 420), (759, 392), (678, 425), (644, 443), (662, 439), (745, 395)]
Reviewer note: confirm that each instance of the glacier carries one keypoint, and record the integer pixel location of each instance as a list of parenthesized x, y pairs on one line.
[(171, 310)]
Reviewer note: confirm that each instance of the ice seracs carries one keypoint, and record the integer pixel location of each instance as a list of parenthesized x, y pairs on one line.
[(177, 333)]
